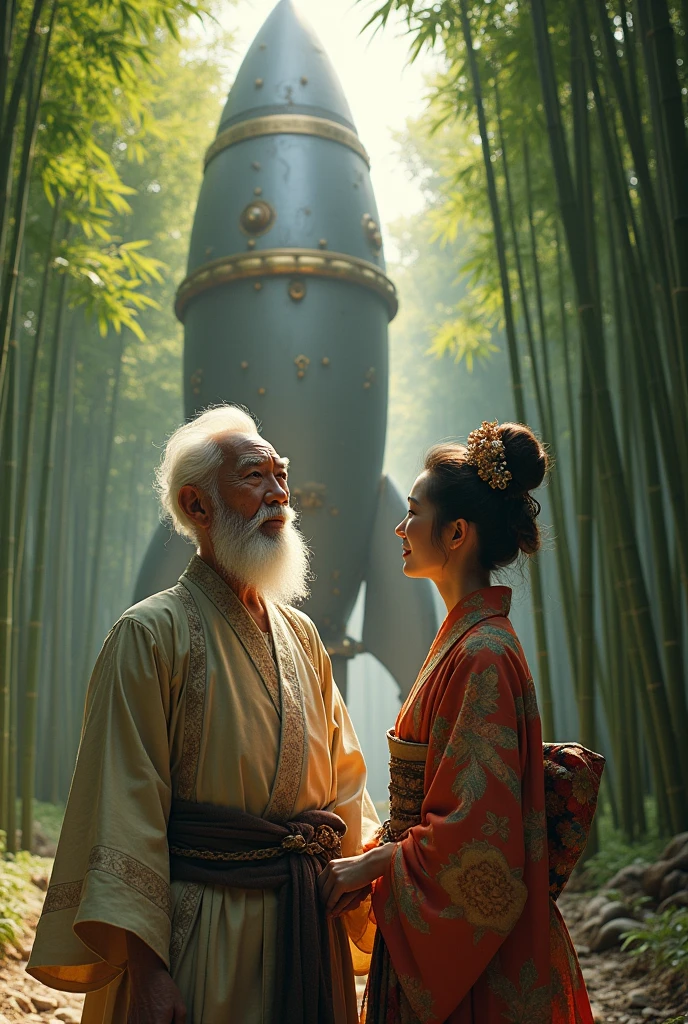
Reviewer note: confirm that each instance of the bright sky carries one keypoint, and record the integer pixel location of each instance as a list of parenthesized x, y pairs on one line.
[(382, 89)]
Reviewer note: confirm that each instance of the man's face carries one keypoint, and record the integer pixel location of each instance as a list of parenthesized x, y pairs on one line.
[(253, 476)]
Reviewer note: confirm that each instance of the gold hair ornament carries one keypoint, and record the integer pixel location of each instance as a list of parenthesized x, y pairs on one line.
[(485, 450)]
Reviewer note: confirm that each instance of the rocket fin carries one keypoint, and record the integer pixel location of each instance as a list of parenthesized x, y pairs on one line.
[(400, 620), (165, 560)]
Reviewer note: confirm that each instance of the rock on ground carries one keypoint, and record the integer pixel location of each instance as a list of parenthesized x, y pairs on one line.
[(620, 988), (22, 998)]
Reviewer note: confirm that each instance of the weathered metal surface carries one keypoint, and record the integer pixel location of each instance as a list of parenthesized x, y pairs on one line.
[(285, 309)]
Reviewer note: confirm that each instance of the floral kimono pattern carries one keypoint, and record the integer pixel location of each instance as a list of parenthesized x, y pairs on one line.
[(468, 933)]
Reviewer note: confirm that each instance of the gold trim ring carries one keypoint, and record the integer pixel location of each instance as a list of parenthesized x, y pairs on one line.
[(287, 124), (283, 262)]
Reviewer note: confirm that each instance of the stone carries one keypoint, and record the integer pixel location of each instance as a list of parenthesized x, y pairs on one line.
[(21, 1002), (649, 1011), (655, 873), (673, 882), (613, 910), (675, 846), (44, 1003), (595, 905), (610, 933), (637, 998), (628, 880), (40, 881), (677, 899)]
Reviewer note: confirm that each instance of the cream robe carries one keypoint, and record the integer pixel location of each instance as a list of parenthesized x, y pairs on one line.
[(186, 701)]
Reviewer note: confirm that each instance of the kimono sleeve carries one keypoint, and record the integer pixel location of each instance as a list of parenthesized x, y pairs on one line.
[(111, 872), (454, 889), (352, 803)]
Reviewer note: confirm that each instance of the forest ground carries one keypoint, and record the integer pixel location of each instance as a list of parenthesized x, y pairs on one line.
[(614, 979)]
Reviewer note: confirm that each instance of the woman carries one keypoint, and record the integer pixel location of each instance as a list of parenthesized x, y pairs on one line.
[(467, 932)]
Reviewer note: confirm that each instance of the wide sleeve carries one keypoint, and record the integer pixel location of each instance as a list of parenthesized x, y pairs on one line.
[(454, 889), (352, 803), (111, 872)]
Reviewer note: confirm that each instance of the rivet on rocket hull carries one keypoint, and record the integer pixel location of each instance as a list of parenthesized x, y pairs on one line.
[(285, 309)]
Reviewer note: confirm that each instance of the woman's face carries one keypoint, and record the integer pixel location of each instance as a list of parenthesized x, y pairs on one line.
[(423, 557)]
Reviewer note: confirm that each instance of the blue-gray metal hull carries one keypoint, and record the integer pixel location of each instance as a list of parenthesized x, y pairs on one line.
[(285, 309)]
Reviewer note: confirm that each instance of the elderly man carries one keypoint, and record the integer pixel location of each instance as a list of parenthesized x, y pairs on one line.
[(218, 771)]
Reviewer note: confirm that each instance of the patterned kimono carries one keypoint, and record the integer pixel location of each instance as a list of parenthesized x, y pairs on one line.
[(468, 933)]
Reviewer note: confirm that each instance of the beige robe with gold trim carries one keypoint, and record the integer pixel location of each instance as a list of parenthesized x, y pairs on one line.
[(186, 701)]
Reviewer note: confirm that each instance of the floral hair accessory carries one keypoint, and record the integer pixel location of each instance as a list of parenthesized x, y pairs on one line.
[(485, 451)]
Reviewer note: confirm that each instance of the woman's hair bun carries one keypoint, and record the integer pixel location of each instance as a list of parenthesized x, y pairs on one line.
[(526, 458)]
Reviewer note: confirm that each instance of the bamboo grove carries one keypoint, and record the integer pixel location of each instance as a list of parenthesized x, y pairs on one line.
[(101, 132), (554, 160), (579, 112)]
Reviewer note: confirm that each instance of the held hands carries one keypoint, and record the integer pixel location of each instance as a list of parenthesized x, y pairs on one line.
[(154, 998), (346, 882)]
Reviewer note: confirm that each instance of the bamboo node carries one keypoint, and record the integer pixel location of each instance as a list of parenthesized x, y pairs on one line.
[(583, 309)]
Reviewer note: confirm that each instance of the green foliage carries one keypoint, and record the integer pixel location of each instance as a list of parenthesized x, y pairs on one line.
[(616, 852), (662, 940), (49, 819), (15, 885)]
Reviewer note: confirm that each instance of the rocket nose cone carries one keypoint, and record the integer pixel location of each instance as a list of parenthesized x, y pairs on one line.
[(286, 70)]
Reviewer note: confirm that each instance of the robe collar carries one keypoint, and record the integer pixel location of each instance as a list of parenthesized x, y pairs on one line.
[(472, 609), (279, 676)]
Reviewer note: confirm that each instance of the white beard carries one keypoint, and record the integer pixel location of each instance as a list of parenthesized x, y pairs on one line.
[(277, 566)]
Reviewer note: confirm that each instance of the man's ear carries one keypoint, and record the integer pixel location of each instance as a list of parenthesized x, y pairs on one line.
[(195, 505)]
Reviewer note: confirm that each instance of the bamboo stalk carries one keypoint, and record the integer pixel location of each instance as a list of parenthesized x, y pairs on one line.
[(102, 503), (7, 558), (30, 695), (636, 597), (22, 78), (542, 655), (10, 282), (660, 51)]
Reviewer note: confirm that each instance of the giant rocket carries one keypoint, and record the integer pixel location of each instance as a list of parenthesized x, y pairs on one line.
[(285, 309)]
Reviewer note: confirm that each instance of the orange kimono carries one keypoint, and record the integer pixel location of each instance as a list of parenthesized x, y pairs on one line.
[(468, 933)]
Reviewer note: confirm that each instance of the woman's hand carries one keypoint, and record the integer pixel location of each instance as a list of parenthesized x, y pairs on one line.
[(346, 882)]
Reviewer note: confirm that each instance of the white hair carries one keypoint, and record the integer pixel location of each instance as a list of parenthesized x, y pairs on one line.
[(193, 455)]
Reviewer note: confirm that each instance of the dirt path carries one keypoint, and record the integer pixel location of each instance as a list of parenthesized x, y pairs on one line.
[(21, 998), (621, 991)]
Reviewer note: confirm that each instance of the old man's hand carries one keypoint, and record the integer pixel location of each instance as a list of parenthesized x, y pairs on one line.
[(154, 998)]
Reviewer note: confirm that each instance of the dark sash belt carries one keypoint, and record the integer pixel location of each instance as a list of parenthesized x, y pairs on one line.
[(223, 846)]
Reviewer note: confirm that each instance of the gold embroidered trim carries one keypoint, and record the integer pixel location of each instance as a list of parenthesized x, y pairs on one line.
[(406, 785), (133, 873), (479, 612), (194, 704), (229, 605), (62, 896), (300, 630), (138, 876), (293, 739), (182, 920)]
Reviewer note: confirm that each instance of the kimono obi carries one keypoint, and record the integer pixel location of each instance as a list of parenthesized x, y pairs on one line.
[(406, 787), (572, 782)]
